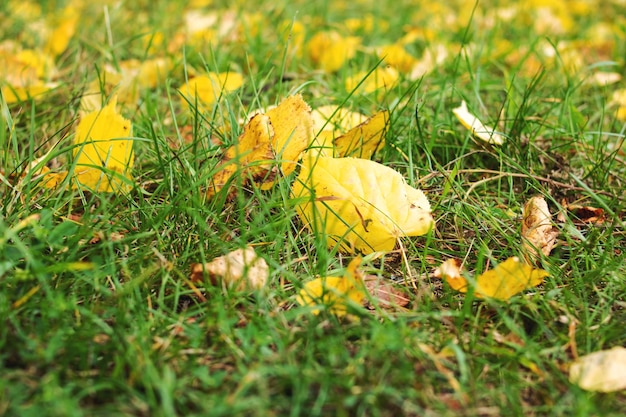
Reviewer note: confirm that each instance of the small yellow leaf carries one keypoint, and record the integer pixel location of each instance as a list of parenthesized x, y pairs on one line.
[(396, 56), (208, 89), (269, 141), (15, 94), (478, 129), (335, 293), (330, 122), (64, 28), (365, 139), (293, 132), (360, 204), (253, 145), (103, 153), (504, 281), (369, 82), (329, 50), (335, 119), (602, 371)]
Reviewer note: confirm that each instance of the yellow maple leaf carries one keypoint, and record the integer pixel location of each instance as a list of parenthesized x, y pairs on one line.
[(103, 152), (271, 144), (368, 82), (360, 204), (504, 281), (208, 89), (474, 125), (335, 293)]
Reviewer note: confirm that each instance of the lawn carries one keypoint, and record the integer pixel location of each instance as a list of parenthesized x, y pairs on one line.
[(100, 312)]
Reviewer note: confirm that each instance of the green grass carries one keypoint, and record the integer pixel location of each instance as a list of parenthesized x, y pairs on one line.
[(97, 313)]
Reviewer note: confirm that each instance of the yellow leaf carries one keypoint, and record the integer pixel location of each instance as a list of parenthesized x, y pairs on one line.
[(103, 153), (269, 141), (601, 371), (396, 56), (329, 50), (335, 293), (16, 94), (365, 139), (330, 122), (208, 89), (359, 203), (478, 129), (293, 132), (619, 100), (63, 30), (253, 145), (365, 82), (504, 281), (362, 138)]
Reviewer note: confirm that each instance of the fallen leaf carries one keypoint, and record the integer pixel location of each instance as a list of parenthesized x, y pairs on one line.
[(103, 153), (334, 293), (335, 119), (602, 371), (342, 133), (384, 294), (241, 270), (396, 56), (365, 139), (208, 89), (254, 145), (360, 204), (329, 50), (504, 281), (474, 125), (538, 235), (369, 82), (293, 132), (64, 27), (271, 144)]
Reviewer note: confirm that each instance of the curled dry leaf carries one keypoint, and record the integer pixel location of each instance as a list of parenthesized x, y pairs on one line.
[(335, 293), (269, 141), (478, 129), (603, 371), (537, 232), (360, 204), (241, 269), (504, 281)]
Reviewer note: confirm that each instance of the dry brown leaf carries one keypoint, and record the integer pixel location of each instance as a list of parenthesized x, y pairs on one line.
[(241, 269), (537, 232)]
